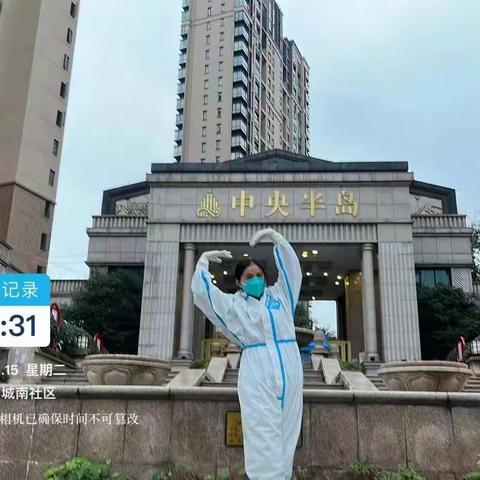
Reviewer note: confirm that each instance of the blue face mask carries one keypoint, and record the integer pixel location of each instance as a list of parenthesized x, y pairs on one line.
[(254, 286)]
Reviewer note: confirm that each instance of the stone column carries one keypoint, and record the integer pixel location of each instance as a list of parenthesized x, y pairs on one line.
[(186, 328), (157, 320), (368, 304), (398, 299)]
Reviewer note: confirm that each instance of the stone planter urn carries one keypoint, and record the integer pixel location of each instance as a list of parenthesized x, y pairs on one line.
[(119, 369), (425, 376), (304, 336), (473, 362)]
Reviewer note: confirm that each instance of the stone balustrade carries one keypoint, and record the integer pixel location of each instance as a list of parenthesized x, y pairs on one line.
[(436, 223), (118, 222), (437, 434)]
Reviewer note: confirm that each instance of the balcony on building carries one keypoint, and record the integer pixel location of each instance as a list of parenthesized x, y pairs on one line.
[(185, 4), (240, 47), (185, 16), (181, 74), (240, 93), (239, 110), (239, 144), (239, 126), (241, 32), (242, 17), (180, 104), (239, 62), (177, 152), (182, 59), (179, 119), (239, 78), (178, 137), (183, 45), (181, 89), (184, 30)]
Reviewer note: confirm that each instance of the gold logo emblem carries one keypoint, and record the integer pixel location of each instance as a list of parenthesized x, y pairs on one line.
[(209, 207)]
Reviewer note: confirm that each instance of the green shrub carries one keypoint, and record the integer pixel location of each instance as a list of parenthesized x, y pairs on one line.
[(199, 364), (473, 476), (80, 468), (351, 367), (407, 473), (366, 470)]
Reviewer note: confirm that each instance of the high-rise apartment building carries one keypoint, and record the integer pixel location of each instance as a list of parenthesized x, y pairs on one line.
[(37, 39), (243, 88)]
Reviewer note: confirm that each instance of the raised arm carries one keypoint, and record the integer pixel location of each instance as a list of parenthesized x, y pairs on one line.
[(289, 271), (209, 298)]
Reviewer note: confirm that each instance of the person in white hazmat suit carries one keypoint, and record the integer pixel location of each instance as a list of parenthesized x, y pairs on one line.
[(260, 320)]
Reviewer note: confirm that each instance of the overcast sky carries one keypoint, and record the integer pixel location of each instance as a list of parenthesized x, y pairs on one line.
[(393, 80)]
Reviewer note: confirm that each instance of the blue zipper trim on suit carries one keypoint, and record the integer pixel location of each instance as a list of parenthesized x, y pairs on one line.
[(263, 344), (207, 288), (289, 287), (282, 367)]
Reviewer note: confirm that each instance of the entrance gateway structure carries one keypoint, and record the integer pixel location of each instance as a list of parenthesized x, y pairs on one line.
[(365, 234)]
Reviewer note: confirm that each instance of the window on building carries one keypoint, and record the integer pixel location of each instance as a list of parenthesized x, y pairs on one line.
[(220, 81), (222, 22), (219, 128), (202, 160), (222, 7), (432, 277), (55, 147), (51, 177), (207, 39), (220, 96), (204, 115), (44, 242), (60, 118), (204, 147), (219, 112), (217, 159), (220, 66), (63, 89), (209, 11), (220, 51), (40, 268), (66, 62), (73, 9), (209, 26), (205, 84), (48, 209), (218, 144), (204, 131), (69, 35), (207, 68), (207, 54), (222, 36), (205, 99)]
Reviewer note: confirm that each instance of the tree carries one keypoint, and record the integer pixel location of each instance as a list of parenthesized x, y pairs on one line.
[(110, 304), (476, 251), (445, 313), (302, 317)]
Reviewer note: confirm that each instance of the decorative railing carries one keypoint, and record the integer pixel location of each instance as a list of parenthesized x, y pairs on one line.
[(65, 287), (436, 222), (119, 222)]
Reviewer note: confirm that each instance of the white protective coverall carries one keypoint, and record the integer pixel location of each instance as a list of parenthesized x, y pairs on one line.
[(270, 381)]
